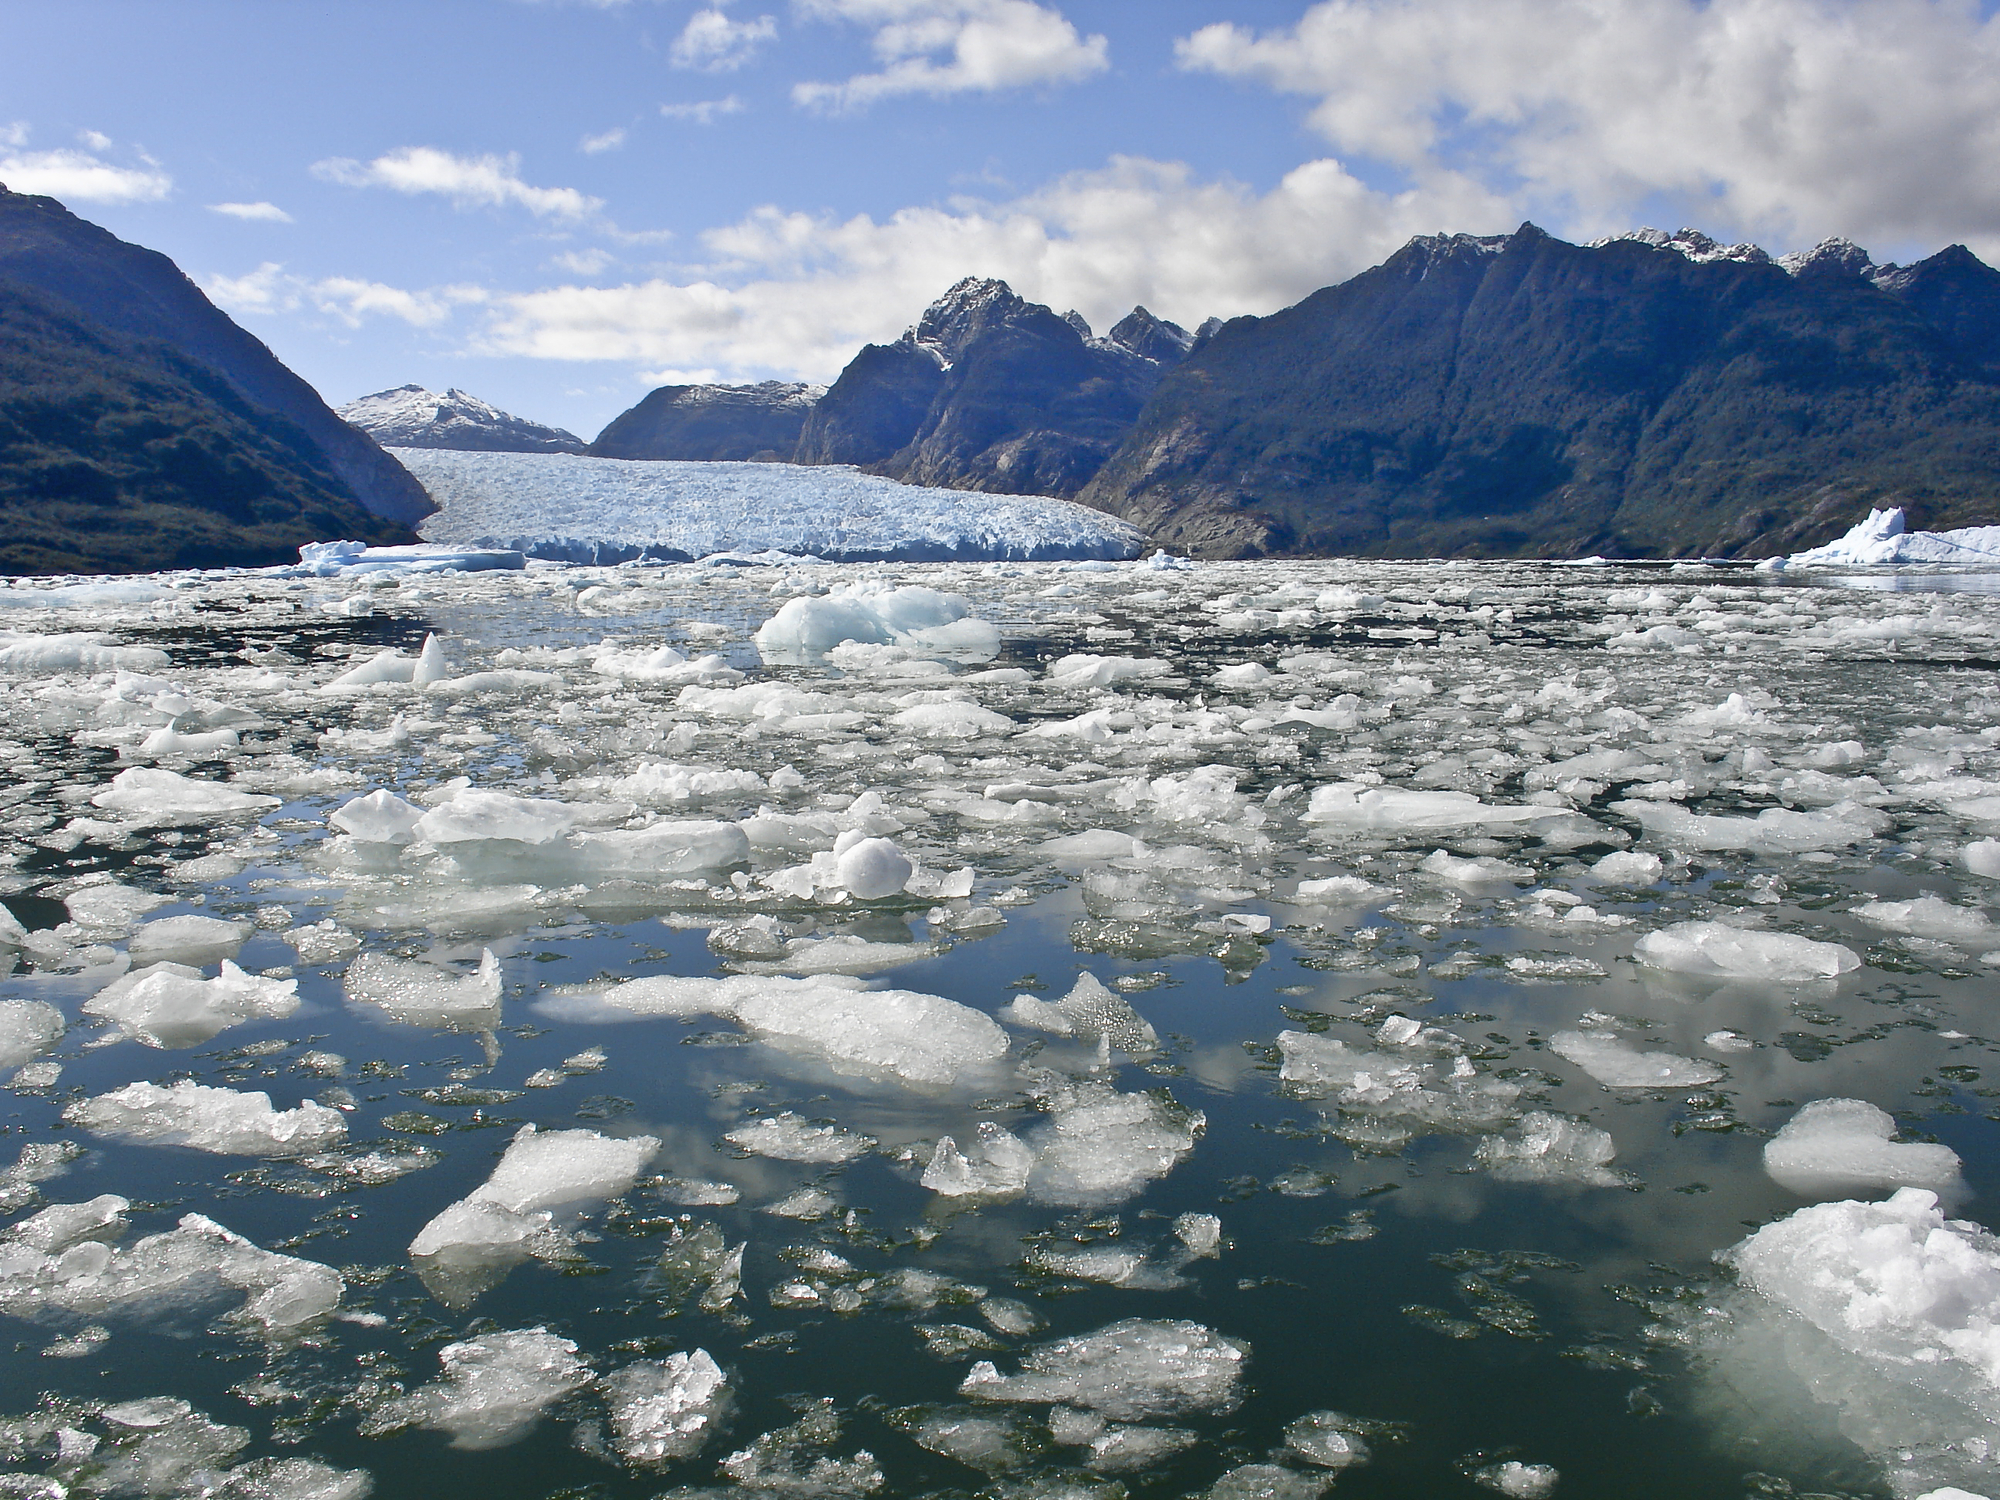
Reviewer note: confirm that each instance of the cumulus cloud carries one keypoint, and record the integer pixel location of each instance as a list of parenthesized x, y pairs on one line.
[(703, 111), (468, 181), (1783, 120), (714, 43), (796, 294), (351, 300), (81, 177), (582, 262), (609, 140), (14, 134), (940, 47), (267, 212), (93, 140)]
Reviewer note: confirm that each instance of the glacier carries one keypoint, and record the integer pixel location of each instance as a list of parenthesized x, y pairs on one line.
[(568, 508)]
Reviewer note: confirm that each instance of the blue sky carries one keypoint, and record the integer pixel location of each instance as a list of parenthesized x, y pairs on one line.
[(559, 205)]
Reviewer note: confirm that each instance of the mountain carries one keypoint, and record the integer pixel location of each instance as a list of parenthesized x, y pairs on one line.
[(758, 423), (132, 433), (992, 392), (140, 295), (1651, 395), (412, 417)]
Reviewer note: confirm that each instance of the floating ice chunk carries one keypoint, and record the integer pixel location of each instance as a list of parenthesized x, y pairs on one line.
[(208, 1119), (665, 782), (420, 994), (1982, 857), (1098, 1146), (381, 817), (61, 1225), (544, 1177), (1950, 1492), (1267, 1482), (1551, 1148), (951, 721), (494, 1388), (871, 868), (1089, 847), (666, 1409), (187, 940), (169, 1005), (1482, 870), (196, 1260), (1728, 1041), (1714, 949), (666, 666), (790, 1137), (916, 1038), (667, 850), (151, 795), (1834, 1147), (38, 1162), (76, 651), (1340, 890), (1089, 1011), (1620, 1065), (28, 1028), (1775, 830), (1327, 1439), (111, 906), (1129, 1371), (383, 666), (1625, 867), (995, 1164), (1517, 1480), (167, 740), (1931, 917), (806, 628), (1084, 670), (473, 815), (293, 1479), (1351, 807), (1895, 1282)]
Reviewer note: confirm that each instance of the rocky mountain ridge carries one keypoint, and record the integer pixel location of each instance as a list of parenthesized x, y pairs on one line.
[(140, 428), (1650, 395)]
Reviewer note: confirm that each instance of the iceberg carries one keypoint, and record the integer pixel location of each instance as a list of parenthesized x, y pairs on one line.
[(1833, 1147), (224, 1121), (1884, 540), (567, 508)]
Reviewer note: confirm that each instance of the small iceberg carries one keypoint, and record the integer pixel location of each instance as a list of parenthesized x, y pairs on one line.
[(1883, 541)]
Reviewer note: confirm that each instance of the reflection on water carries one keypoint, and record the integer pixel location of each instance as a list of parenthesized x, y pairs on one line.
[(1359, 875)]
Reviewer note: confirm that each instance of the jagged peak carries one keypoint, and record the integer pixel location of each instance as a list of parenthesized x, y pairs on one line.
[(1837, 256), (1150, 337), (1690, 243), (1080, 323)]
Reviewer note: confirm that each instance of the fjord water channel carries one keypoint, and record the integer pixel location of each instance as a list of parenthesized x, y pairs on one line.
[(1359, 999)]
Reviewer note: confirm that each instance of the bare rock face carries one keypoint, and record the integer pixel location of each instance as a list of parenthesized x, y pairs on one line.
[(1514, 395), (740, 423), (411, 417), (991, 392)]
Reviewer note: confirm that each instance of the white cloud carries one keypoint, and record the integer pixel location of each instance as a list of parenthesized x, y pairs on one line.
[(583, 262), (268, 212), (1784, 120), (985, 46), (94, 140), (79, 177), (15, 135), (797, 294), (703, 111), (468, 181), (271, 289), (715, 44), (609, 140)]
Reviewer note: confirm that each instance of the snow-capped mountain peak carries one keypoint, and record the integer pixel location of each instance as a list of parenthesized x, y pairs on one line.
[(412, 417)]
